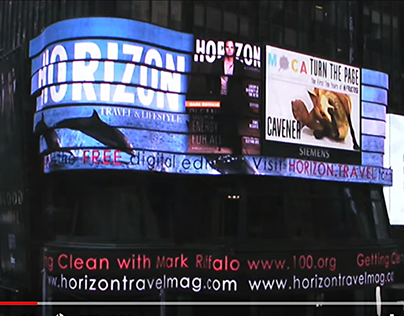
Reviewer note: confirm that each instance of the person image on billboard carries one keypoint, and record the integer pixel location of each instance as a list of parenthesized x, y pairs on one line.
[(227, 85)]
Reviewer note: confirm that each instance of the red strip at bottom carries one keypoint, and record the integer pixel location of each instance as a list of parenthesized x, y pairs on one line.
[(18, 303)]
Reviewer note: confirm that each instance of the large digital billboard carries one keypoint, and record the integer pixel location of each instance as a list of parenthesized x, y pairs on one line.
[(131, 86), (312, 107), (394, 159), (126, 95)]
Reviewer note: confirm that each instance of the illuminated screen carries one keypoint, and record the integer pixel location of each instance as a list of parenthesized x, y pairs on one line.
[(313, 104), (127, 95), (111, 90), (120, 272), (122, 87), (227, 72), (394, 158)]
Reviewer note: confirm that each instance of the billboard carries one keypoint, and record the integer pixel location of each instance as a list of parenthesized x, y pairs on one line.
[(117, 272), (126, 95), (110, 83), (143, 88), (312, 107), (224, 97), (158, 161), (394, 159)]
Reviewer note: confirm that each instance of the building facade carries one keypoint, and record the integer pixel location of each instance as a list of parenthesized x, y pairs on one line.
[(134, 182)]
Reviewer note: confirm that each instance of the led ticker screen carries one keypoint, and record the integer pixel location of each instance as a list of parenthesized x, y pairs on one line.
[(120, 272), (313, 104)]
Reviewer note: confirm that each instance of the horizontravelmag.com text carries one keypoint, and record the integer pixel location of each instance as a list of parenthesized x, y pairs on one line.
[(203, 272)]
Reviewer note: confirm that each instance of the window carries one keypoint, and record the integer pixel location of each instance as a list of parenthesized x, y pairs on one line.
[(303, 40), (376, 59), (213, 18), (359, 212), (330, 13), (187, 209), (141, 10), (176, 14), (124, 8), (193, 212), (276, 35), (199, 15), (299, 213), (319, 13), (379, 213), (342, 15), (331, 223), (290, 37), (230, 22), (99, 212), (265, 216), (123, 215), (230, 215), (160, 12), (244, 26), (277, 4)]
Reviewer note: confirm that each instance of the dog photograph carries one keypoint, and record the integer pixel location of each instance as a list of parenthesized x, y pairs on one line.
[(298, 113), (311, 101)]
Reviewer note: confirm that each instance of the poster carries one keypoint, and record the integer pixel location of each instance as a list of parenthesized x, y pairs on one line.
[(223, 100), (312, 102)]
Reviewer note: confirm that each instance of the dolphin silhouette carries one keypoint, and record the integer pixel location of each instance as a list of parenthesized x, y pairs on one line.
[(49, 134), (94, 127)]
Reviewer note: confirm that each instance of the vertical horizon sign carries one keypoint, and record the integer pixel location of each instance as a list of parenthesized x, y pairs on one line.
[(394, 158)]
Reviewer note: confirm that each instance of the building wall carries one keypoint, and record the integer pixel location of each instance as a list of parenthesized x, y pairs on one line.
[(363, 33)]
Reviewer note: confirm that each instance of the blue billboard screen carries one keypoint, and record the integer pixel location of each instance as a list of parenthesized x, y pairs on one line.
[(110, 83), (126, 95)]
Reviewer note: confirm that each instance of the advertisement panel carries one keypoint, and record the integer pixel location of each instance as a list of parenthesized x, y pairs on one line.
[(110, 83), (132, 86), (143, 160), (224, 98), (394, 159), (312, 107), (126, 95), (120, 272)]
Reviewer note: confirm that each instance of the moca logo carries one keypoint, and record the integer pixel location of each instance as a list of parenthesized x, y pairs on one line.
[(284, 63)]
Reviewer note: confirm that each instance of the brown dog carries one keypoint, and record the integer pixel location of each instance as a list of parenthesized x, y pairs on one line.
[(330, 116)]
